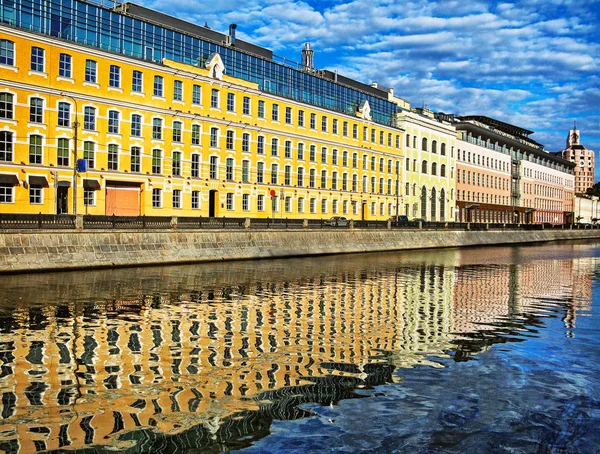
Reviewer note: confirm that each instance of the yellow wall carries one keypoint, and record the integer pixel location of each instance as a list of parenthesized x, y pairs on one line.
[(23, 84)]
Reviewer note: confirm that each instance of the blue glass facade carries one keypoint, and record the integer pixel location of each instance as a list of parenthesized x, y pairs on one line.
[(96, 26)]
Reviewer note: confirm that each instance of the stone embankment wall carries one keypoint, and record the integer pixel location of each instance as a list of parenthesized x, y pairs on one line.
[(60, 250)]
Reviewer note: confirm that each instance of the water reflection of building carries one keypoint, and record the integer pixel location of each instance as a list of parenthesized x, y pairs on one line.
[(214, 350)]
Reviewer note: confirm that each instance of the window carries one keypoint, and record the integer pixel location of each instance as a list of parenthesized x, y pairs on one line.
[(6, 106), (313, 153), (373, 135), (35, 194), (64, 114), (323, 179), (177, 90), (288, 204), (176, 198), (424, 144), (301, 118), (229, 169), (324, 206), (37, 59), (260, 145), (214, 167), (424, 167), (35, 149), (434, 168), (312, 178), (354, 183), (176, 166), (246, 106), (301, 152), (113, 122), (287, 175), (214, 98), (246, 142), (355, 160), (6, 193), (245, 171), (261, 109), (260, 202), (313, 205), (90, 71), (334, 206), (214, 137), (135, 159), (89, 154), (114, 76), (373, 163), (260, 172), (381, 137), (137, 81), (313, 121), (300, 204), (344, 181), (195, 134), (300, 176), (36, 110), (156, 198), (89, 197), (177, 125), (324, 155), (64, 65), (229, 139), (6, 146), (195, 200), (230, 102), (275, 112), (345, 129), (288, 149), (229, 201), (334, 175), (274, 146), (89, 118), (7, 52), (196, 94), (156, 161), (157, 128), (113, 157), (334, 157), (389, 139), (195, 165), (443, 149), (355, 131), (246, 202), (158, 86), (324, 123), (62, 152), (334, 126), (274, 172), (136, 125), (288, 115)]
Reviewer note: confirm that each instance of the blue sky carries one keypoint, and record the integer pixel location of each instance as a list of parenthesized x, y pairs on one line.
[(532, 63)]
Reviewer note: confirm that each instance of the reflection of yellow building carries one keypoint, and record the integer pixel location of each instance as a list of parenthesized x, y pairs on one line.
[(180, 347), (213, 128)]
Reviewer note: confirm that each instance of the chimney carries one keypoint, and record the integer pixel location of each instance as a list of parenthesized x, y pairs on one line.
[(232, 28), (308, 57)]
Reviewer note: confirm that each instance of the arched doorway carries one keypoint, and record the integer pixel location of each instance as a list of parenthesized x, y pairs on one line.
[(442, 205), (433, 204), (424, 202)]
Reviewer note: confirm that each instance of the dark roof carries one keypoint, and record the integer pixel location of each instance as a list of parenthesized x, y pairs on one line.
[(500, 125), (146, 14)]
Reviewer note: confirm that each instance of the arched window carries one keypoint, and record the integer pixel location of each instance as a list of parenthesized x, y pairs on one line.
[(423, 202), (408, 140), (443, 170), (434, 146), (424, 167), (424, 144), (433, 204), (434, 168), (442, 205), (443, 150)]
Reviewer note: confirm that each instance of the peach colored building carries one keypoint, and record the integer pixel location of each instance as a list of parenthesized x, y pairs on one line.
[(583, 160), (507, 177)]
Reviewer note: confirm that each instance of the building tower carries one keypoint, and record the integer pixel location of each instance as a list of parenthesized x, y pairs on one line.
[(308, 57), (583, 159)]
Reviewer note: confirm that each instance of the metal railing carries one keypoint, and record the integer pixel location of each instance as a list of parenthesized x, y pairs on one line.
[(9, 221)]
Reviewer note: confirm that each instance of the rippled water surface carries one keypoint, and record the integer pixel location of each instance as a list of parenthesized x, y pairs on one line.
[(453, 351)]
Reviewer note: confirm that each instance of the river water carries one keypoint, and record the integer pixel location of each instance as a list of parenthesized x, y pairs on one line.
[(479, 350)]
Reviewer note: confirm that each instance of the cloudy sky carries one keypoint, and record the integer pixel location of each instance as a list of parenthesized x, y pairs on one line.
[(532, 63)]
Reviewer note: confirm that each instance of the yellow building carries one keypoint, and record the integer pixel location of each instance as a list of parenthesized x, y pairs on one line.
[(230, 132), (429, 167)]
